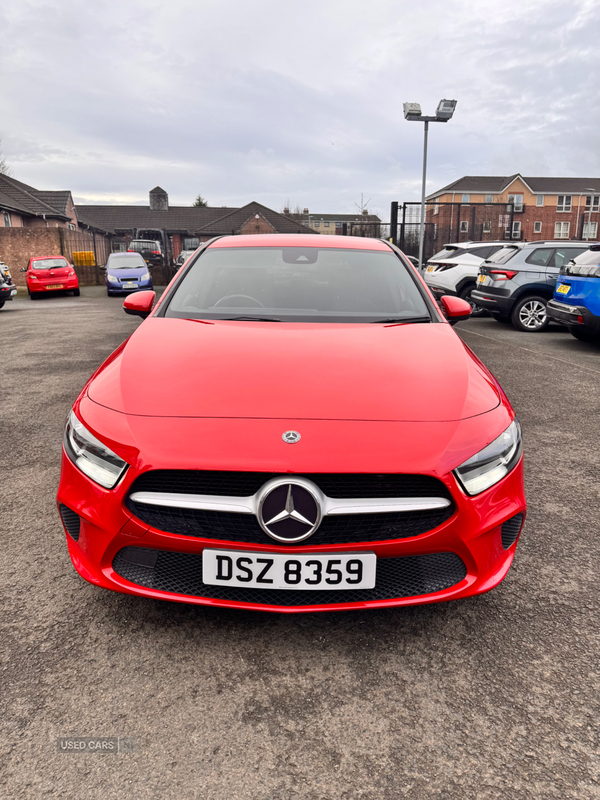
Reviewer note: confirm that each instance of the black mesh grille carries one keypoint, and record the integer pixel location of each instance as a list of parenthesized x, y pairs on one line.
[(181, 573), (343, 529), (71, 521), (510, 530), (244, 484)]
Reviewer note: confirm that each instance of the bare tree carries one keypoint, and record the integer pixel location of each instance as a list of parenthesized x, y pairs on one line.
[(4, 168)]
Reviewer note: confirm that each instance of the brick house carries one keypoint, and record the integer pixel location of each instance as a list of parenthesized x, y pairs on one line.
[(362, 224), (541, 208), (22, 206), (184, 227)]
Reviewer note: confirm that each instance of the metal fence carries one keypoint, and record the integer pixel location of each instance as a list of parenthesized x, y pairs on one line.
[(86, 251), (451, 222)]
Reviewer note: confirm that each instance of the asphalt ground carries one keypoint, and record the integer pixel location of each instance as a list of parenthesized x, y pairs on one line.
[(490, 697)]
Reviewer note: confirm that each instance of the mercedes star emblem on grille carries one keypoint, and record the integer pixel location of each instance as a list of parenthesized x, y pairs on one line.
[(289, 510), (291, 437)]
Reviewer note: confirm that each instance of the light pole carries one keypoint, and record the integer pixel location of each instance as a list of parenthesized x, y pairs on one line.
[(412, 113)]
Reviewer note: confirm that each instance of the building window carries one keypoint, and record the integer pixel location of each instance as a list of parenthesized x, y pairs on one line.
[(516, 230), (6, 219), (489, 198), (592, 201), (464, 226), (561, 229), (72, 227), (517, 201), (564, 202), (487, 227), (539, 200), (590, 230), (326, 224), (316, 224), (537, 227), (436, 207), (434, 230), (466, 198)]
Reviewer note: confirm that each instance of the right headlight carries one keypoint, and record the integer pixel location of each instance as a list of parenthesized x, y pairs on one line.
[(112, 278), (493, 463), (92, 457)]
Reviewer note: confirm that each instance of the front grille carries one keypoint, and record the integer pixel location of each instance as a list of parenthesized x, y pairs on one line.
[(181, 573), (510, 530), (244, 484), (343, 529), (71, 521)]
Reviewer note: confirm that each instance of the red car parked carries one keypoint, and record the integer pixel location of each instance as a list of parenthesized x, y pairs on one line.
[(295, 427), (50, 274)]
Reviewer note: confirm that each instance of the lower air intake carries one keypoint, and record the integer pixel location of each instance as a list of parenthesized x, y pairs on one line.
[(181, 573), (71, 521), (510, 530)]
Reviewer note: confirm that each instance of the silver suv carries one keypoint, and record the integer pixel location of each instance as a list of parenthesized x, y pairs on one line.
[(454, 269), (516, 283)]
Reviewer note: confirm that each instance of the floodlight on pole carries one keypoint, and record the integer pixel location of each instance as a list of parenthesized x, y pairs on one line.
[(412, 113)]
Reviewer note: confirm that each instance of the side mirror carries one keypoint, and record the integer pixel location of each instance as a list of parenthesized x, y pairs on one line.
[(101, 266), (455, 308), (139, 304), (23, 269)]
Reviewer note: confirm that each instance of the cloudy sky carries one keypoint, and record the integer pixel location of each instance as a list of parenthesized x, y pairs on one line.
[(299, 102)]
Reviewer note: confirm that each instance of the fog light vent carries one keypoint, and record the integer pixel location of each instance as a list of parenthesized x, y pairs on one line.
[(71, 521), (510, 530)]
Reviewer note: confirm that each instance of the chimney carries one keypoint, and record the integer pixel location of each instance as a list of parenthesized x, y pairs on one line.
[(365, 212), (286, 211), (159, 199), (305, 211)]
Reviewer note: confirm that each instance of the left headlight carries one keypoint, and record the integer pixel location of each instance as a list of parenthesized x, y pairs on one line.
[(91, 456), (493, 463), (145, 276), (112, 278)]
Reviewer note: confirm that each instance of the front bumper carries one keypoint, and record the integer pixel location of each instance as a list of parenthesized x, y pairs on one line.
[(108, 533)]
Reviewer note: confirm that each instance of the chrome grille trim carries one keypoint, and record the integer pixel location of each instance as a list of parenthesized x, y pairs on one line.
[(331, 506)]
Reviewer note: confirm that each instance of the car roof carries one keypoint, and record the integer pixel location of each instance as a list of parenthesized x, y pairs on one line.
[(42, 258), (300, 240)]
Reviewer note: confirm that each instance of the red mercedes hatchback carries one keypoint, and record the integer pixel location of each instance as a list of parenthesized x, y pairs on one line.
[(50, 274), (294, 427)]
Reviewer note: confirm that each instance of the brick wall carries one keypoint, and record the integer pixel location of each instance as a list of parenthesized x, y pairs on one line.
[(18, 245), (255, 225)]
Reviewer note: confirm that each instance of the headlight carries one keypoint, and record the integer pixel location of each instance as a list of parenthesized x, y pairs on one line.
[(145, 276), (112, 278), (91, 456), (492, 463)]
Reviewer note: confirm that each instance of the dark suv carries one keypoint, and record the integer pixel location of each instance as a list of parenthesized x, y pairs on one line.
[(149, 249), (516, 283)]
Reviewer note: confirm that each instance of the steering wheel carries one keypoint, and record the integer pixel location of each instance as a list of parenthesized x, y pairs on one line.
[(242, 296)]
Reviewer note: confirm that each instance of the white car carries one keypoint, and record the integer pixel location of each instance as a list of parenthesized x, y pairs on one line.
[(183, 257), (454, 269)]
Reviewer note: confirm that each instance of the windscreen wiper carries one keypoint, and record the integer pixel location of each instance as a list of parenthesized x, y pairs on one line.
[(250, 319), (392, 320)]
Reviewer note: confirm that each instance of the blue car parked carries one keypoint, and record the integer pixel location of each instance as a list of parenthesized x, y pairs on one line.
[(576, 301), (125, 273)]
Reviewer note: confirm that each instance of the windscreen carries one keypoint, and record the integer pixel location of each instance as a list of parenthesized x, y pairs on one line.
[(143, 245), (449, 251), (49, 263), (125, 261), (589, 257), (302, 284), (503, 255)]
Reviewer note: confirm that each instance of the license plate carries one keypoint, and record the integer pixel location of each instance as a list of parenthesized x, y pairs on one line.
[(129, 285), (481, 278), (563, 288), (54, 286), (431, 268), (282, 571)]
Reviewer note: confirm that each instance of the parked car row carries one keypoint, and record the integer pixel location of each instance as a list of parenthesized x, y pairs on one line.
[(516, 282)]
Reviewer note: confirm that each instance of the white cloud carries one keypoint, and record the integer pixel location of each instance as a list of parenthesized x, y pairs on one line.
[(273, 101)]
